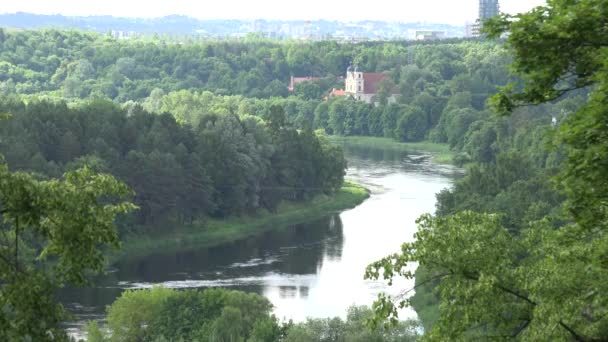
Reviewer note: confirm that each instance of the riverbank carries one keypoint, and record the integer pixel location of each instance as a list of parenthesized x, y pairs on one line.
[(214, 232), (441, 152)]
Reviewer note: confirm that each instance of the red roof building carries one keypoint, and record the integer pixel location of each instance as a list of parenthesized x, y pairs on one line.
[(335, 92), (365, 85)]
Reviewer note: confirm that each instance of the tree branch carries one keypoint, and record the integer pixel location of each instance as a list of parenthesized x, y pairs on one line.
[(574, 334), (402, 294), (578, 337), (522, 328), (505, 289)]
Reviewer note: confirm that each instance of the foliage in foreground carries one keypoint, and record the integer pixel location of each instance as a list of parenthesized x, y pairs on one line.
[(162, 314), (51, 234), (353, 329), (548, 279)]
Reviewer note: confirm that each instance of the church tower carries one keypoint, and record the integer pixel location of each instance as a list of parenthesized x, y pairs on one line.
[(359, 81), (355, 82)]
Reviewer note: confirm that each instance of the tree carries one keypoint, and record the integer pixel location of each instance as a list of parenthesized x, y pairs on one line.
[(548, 281), (134, 311), (412, 125), (353, 329), (191, 315), (69, 147), (558, 49), (275, 88), (309, 90), (51, 234), (322, 116)]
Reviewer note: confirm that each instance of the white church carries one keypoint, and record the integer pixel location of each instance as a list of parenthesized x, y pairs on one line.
[(364, 86)]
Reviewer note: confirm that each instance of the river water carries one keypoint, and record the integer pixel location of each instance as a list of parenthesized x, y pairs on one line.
[(306, 270)]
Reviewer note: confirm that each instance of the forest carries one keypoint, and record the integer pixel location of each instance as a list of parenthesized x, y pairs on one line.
[(103, 138), (200, 120), (443, 85), (225, 165)]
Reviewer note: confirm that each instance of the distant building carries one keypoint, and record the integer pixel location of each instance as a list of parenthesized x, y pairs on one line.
[(364, 86), (468, 29), (475, 29), (334, 93), (430, 35), (487, 10), (118, 34), (296, 80)]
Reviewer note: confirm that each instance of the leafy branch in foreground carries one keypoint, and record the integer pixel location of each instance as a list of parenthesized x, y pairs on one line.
[(555, 50), (51, 234), (549, 280), (538, 285)]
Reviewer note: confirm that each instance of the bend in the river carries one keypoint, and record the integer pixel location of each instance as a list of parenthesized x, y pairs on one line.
[(307, 270)]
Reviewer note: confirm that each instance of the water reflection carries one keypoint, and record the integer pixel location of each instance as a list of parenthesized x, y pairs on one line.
[(313, 269), (288, 291), (274, 257)]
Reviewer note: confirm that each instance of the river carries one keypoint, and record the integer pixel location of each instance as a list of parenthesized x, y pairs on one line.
[(306, 270)]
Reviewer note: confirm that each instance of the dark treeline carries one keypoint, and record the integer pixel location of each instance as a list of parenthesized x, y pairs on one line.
[(225, 165)]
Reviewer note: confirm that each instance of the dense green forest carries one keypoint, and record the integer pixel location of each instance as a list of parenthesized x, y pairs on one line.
[(516, 249), (443, 86), (77, 64), (225, 165), (232, 139)]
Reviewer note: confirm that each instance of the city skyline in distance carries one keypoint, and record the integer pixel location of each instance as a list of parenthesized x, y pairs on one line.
[(432, 11)]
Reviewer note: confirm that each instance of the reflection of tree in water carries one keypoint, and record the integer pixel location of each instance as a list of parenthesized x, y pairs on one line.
[(371, 154), (335, 239), (296, 250), (303, 291), (300, 291), (288, 291), (313, 241)]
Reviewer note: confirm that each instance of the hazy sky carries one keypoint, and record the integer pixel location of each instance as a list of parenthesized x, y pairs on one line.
[(439, 11)]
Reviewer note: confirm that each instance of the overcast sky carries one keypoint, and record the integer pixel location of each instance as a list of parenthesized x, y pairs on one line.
[(454, 12)]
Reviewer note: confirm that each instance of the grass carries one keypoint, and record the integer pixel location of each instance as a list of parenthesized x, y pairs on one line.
[(214, 231), (441, 152)]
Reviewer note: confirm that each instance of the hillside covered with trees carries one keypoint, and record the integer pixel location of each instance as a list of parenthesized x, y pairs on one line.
[(206, 129), (443, 85)]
